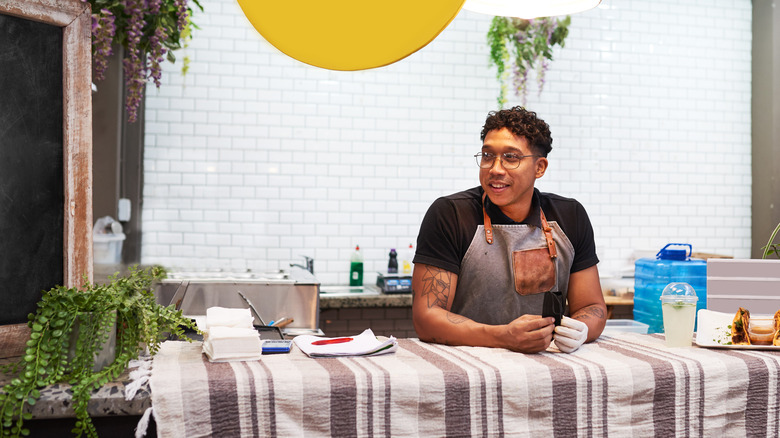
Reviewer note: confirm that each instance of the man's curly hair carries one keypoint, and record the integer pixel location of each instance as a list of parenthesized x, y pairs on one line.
[(522, 123)]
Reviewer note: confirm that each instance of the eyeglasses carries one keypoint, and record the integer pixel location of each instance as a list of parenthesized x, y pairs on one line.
[(509, 160)]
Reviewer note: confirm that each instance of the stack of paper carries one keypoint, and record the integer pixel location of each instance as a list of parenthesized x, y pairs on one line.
[(230, 336), (364, 344)]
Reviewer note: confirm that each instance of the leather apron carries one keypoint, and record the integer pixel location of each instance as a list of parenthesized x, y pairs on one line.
[(508, 268)]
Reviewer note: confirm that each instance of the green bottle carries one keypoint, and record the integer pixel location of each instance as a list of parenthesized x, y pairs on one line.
[(356, 268)]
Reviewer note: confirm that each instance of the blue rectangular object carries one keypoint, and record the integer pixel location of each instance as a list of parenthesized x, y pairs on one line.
[(276, 346), (652, 275)]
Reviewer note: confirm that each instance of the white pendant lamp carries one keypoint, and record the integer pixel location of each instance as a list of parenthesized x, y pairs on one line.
[(529, 9)]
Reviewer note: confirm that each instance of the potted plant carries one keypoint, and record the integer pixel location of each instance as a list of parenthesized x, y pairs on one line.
[(772, 248), (148, 30), (87, 315), (518, 46)]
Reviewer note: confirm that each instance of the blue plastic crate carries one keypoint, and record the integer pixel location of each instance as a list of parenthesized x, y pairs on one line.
[(653, 274), (655, 323)]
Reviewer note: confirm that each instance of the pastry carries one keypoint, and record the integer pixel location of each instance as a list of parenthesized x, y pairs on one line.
[(739, 334), (776, 338)]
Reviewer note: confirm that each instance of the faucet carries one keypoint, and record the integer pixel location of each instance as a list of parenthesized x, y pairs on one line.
[(309, 264)]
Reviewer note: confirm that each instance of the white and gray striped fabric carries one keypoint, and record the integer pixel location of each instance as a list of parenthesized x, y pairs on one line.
[(622, 385)]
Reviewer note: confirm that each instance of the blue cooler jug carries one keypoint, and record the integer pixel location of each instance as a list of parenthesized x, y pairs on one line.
[(651, 275)]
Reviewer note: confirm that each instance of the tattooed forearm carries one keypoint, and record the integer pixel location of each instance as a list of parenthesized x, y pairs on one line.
[(436, 340), (436, 287), (592, 311), (455, 318)]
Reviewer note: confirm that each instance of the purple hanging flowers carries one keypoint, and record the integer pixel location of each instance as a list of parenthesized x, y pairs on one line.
[(103, 31), (524, 45), (148, 30)]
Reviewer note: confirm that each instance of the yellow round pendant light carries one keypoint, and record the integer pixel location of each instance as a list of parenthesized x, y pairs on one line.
[(350, 34)]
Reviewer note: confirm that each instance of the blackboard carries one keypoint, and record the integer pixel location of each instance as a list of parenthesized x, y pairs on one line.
[(31, 164)]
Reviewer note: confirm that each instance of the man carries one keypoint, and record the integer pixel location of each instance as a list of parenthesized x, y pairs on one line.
[(488, 258)]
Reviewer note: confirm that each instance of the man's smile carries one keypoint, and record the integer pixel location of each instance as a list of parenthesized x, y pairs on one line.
[(498, 185)]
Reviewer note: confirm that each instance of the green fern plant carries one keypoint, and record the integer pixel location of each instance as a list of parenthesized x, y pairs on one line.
[(89, 314)]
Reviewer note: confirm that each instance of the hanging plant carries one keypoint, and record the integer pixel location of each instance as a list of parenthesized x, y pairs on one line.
[(89, 316), (518, 46), (149, 31)]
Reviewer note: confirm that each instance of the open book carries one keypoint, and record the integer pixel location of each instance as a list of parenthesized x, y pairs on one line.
[(364, 344)]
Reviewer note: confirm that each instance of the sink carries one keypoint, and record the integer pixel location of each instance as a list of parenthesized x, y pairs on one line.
[(337, 290), (279, 276)]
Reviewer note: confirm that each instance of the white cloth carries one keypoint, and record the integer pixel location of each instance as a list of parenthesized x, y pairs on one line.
[(140, 371), (570, 334), (139, 375), (143, 423)]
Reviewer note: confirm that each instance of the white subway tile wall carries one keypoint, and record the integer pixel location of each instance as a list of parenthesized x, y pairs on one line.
[(253, 159)]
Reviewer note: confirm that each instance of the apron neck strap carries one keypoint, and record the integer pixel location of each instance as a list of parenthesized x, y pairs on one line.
[(488, 224), (545, 228), (548, 236)]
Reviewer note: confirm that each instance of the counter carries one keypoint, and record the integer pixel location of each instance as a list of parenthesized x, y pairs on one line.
[(365, 300), (384, 314), (391, 314), (111, 414), (622, 385), (109, 400), (405, 300)]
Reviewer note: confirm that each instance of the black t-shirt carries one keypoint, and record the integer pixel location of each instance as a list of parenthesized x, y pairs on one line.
[(451, 221)]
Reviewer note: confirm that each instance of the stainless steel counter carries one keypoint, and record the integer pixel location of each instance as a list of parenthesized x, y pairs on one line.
[(291, 293)]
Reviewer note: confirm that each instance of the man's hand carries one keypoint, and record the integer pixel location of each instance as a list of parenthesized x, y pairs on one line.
[(570, 334), (529, 334)]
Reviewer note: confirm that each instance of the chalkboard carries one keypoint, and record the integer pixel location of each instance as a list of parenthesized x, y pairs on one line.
[(31, 164)]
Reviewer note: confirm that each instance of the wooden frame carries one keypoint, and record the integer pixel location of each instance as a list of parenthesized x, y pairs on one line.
[(75, 19)]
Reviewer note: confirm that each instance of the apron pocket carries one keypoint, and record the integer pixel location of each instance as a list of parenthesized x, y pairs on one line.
[(534, 271)]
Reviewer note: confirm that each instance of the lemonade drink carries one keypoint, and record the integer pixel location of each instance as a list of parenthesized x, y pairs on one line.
[(679, 319)]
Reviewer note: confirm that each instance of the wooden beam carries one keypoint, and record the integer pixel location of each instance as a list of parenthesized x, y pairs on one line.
[(55, 12), (77, 144)]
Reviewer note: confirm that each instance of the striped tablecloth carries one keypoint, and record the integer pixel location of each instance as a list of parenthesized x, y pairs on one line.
[(625, 385)]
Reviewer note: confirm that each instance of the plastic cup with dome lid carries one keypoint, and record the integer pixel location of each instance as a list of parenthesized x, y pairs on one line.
[(678, 304)]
